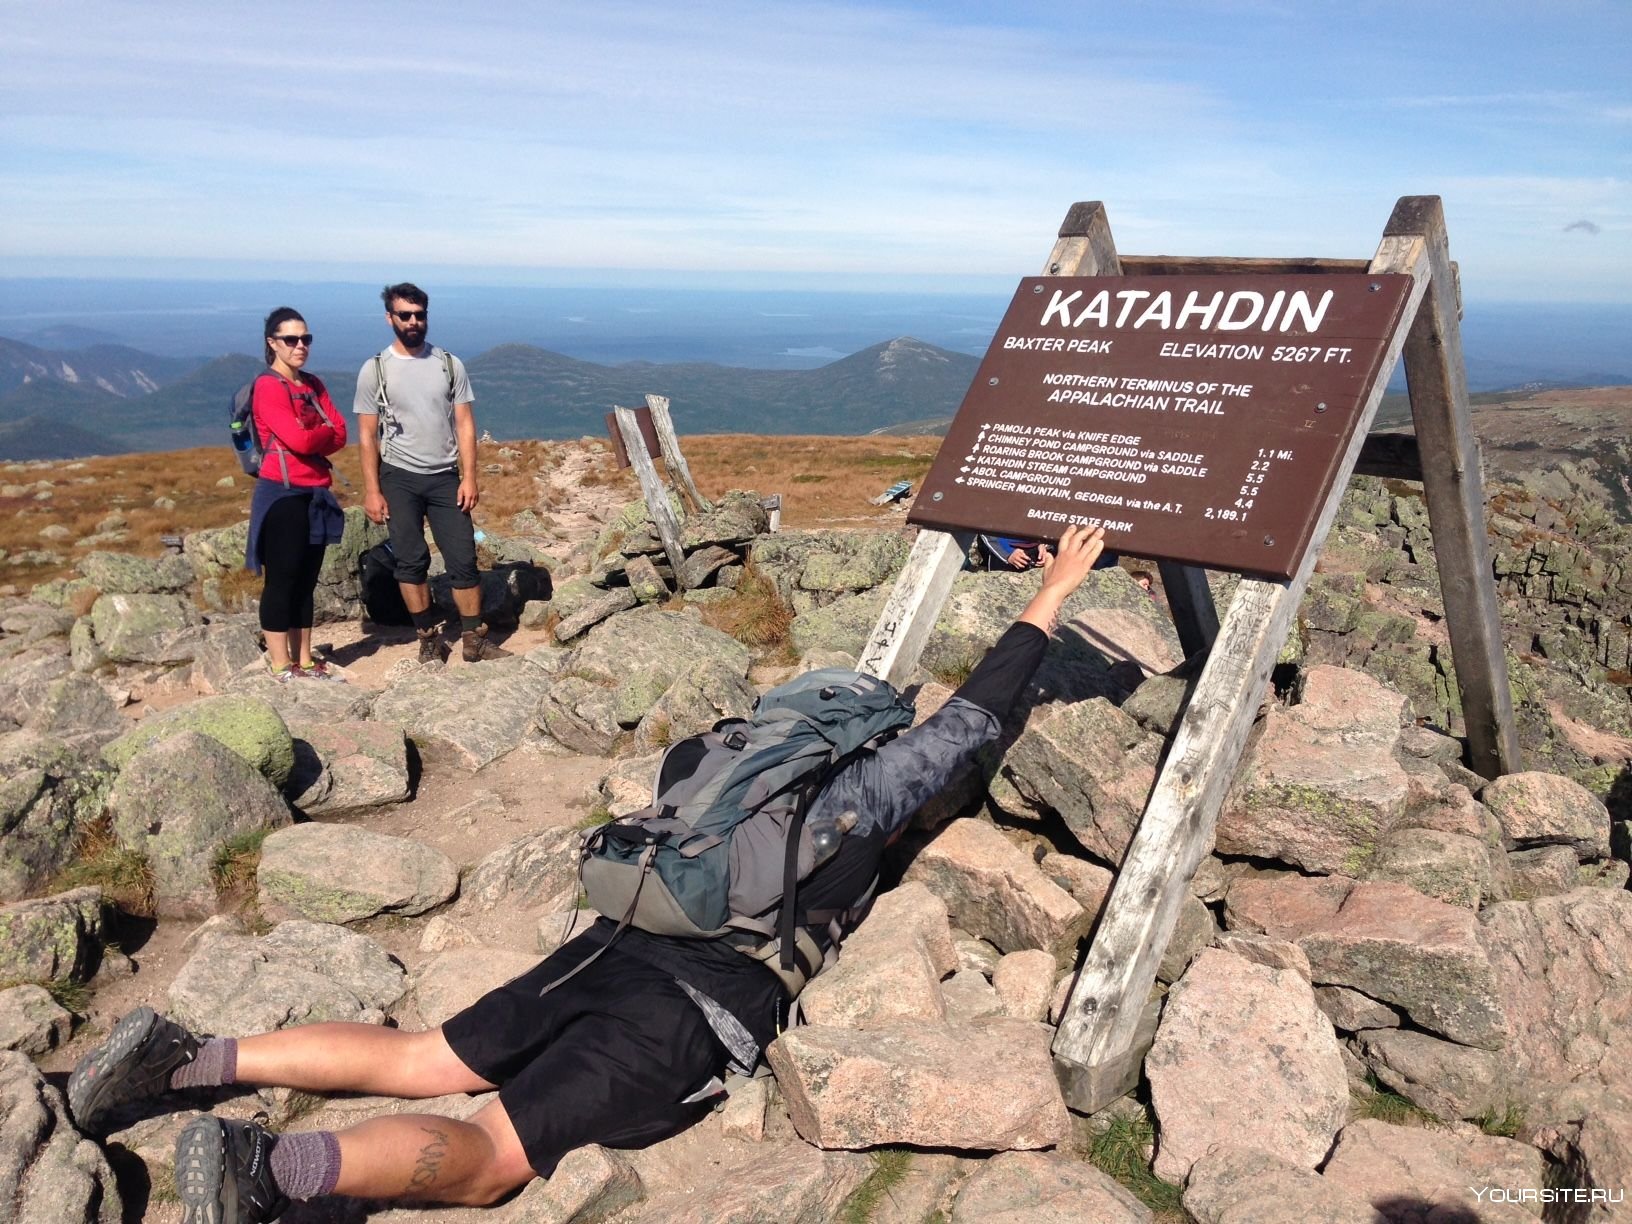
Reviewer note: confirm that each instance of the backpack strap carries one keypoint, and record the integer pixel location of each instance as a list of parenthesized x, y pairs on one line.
[(277, 447), (447, 369)]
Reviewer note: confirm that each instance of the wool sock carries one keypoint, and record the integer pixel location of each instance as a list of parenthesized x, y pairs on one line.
[(216, 1064), (469, 624), (306, 1165), (426, 620)]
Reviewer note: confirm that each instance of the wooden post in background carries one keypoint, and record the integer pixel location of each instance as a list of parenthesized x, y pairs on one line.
[(669, 444), (656, 493), (1098, 1046), (1453, 487)]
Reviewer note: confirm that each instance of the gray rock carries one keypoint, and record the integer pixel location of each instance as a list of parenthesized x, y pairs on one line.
[(1544, 809), (1024, 982), (1044, 1188), (1410, 1175), (590, 1184), (46, 799), (52, 937), (75, 709), (1093, 765), (248, 726), (996, 891), (31, 1021), (970, 997), (659, 644), (784, 1183), (1196, 929), (506, 589), (1453, 867), (146, 628), (122, 574), (581, 714), (697, 699), (226, 649), (645, 581), (1274, 1072), (451, 981), (1321, 787), (539, 870), (1387, 941), (1351, 1011), (342, 873), (1450, 1081), (593, 611), (1546, 871), (1238, 1185), (701, 565), (178, 802), (301, 973), (49, 1172), (83, 653), (347, 767), (854, 1089), (304, 702), (479, 713)]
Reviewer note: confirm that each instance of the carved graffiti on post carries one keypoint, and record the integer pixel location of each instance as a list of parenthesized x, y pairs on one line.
[(1197, 418)]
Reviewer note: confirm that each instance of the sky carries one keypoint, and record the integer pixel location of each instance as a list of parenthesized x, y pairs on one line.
[(872, 145)]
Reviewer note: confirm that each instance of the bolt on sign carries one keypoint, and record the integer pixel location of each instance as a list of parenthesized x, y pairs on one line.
[(1200, 419)]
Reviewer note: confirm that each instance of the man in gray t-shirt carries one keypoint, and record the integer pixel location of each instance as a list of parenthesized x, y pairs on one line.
[(418, 439)]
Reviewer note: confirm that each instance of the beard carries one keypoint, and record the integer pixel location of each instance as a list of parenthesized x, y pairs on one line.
[(412, 335)]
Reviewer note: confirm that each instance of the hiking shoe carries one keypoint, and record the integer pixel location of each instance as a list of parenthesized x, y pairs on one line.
[(319, 670), (476, 646), (134, 1062), (224, 1173), (282, 675), (432, 649)]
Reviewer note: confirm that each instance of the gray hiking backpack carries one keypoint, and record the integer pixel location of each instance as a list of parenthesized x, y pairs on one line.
[(721, 849)]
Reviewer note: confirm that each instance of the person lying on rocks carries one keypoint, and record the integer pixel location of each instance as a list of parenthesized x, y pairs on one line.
[(628, 1050)]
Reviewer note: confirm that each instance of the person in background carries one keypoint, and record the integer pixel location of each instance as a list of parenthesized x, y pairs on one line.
[(293, 515), (417, 431)]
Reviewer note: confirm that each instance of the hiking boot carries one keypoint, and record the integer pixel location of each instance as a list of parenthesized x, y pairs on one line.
[(134, 1062), (224, 1173), (432, 649), (476, 646)]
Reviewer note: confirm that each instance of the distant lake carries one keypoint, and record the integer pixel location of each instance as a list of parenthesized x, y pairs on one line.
[(1506, 344)]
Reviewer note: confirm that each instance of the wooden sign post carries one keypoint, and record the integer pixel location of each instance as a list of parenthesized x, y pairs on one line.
[(1108, 1022), (654, 490)]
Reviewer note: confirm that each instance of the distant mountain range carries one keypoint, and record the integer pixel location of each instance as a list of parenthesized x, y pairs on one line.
[(105, 399)]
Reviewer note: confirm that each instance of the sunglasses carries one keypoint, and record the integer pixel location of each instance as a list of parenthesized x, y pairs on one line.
[(294, 341), (411, 316)]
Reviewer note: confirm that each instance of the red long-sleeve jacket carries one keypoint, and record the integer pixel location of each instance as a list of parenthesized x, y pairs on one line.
[(297, 425)]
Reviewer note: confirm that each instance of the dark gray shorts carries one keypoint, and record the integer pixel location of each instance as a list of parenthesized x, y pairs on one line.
[(414, 498)]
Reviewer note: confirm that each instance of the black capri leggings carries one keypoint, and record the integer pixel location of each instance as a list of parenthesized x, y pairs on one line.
[(290, 565)]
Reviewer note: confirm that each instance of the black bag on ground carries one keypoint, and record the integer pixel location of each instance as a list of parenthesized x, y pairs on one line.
[(382, 597)]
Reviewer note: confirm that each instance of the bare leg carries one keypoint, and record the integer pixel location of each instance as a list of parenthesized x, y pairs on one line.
[(417, 595), (468, 600), (422, 1156), (278, 654), (300, 645), (337, 1057)]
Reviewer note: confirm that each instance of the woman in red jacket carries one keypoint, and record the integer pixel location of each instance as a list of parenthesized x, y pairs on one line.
[(293, 515)]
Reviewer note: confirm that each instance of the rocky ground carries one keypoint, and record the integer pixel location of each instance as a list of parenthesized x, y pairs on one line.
[(1398, 993)]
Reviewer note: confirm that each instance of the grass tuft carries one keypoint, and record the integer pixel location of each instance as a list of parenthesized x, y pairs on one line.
[(235, 864), (890, 1166), (1504, 1125), (1385, 1105), (756, 616), (954, 672), (598, 815), (65, 992), (1121, 1150), (124, 876)]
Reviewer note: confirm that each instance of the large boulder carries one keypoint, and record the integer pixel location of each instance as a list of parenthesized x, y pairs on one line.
[(891, 967), (653, 643), (782, 1183), (76, 710), (698, 698), (48, 795), (1321, 786), (122, 574), (996, 891), (451, 981), (1410, 1175), (1092, 764), (1560, 971), (302, 972), (1044, 1188), (1448, 1080), (1238, 1185), (1387, 941), (51, 938), (247, 725), (49, 1172), (1546, 809), (847, 1088), (478, 713), (179, 802), (539, 870), (160, 629), (1273, 1070), (341, 873), (348, 766)]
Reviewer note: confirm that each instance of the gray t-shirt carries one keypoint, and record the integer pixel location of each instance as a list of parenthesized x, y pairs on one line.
[(417, 420)]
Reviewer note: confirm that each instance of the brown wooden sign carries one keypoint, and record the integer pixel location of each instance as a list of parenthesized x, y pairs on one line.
[(1197, 418), (648, 434)]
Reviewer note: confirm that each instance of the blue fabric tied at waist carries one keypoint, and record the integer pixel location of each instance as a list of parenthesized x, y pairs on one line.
[(326, 520)]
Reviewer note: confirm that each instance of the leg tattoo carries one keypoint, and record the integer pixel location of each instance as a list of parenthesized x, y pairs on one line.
[(429, 1163)]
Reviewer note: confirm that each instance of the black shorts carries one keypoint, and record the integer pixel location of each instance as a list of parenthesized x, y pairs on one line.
[(415, 498), (607, 1058)]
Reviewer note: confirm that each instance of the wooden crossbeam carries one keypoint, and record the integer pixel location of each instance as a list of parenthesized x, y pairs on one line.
[(656, 493), (1097, 1049), (669, 443), (1453, 487)]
